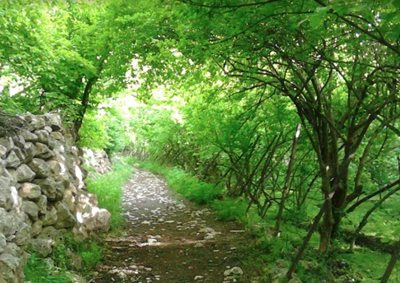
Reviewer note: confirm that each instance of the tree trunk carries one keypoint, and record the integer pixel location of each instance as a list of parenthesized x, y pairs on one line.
[(391, 264), (84, 105), (326, 229), (334, 213), (288, 181), (338, 206), (306, 240)]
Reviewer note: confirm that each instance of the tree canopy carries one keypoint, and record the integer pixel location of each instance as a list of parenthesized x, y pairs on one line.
[(292, 105)]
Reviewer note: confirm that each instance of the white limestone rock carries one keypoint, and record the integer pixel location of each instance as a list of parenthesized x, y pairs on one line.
[(29, 191), (57, 136), (37, 228), (31, 209), (89, 216), (43, 136), (42, 204), (5, 192), (3, 243), (53, 120), (48, 187), (50, 217), (42, 246), (7, 142), (40, 167), (29, 136), (24, 174), (65, 217), (3, 151), (23, 235), (35, 122), (41, 150), (10, 222), (13, 161)]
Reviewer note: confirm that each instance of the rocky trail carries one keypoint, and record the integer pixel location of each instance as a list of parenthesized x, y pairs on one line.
[(170, 240)]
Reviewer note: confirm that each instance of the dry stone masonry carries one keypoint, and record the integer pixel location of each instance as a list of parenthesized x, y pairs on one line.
[(97, 161), (42, 193)]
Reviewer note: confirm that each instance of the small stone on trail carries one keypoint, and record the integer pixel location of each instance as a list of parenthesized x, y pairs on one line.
[(234, 271), (198, 277), (152, 241)]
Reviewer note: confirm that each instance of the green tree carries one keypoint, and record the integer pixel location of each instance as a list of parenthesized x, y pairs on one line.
[(67, 55), (329, 60)]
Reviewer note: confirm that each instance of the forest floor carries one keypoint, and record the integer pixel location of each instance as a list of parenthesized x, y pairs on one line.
[(170, 240)]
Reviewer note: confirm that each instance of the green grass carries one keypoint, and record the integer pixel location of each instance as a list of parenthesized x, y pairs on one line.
[(230, 209), (370, 265), (108, 189), (37, 270), (90, 251), (382, 223), (91, 254)]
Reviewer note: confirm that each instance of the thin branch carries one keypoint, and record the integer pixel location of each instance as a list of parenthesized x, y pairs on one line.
[(228, 6)]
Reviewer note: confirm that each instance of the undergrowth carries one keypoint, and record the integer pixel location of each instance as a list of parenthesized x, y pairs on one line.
[(229, 209), (272, 255), (108, 189), (89, 252), (40, 270), (67, 255)]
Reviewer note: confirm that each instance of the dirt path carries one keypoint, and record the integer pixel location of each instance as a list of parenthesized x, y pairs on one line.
[(170, 240)]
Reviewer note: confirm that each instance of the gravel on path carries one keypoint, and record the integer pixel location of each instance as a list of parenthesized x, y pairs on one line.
[(170, 240)]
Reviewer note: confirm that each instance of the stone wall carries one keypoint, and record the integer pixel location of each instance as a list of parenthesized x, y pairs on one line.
[(97, 161), (42, 193)]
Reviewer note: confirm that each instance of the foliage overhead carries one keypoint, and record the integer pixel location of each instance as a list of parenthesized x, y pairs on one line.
[(292, 107)]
